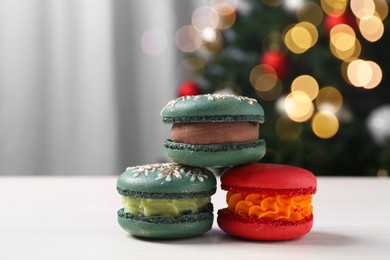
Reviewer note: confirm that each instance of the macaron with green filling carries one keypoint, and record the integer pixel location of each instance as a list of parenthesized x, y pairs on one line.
[(214, 130), (166, 200)]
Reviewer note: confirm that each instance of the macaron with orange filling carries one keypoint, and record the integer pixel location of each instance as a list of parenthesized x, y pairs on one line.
[(267, 201)]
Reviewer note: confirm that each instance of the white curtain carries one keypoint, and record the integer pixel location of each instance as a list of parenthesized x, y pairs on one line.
[(78, 93)]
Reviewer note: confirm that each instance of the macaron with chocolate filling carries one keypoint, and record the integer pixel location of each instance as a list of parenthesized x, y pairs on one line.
[(214, 130), (166, 200), (267, 201)]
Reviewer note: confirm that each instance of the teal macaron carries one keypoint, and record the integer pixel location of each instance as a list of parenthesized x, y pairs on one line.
[(166, 200), (214, 130)]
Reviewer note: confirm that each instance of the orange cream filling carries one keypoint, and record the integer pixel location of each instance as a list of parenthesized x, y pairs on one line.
[(279, 207)]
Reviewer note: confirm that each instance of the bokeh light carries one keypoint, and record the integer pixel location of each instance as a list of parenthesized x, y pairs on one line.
[(212, 40), (307, 84), (226, 14), (204, 36), (371, 28), (293, 5), (204, 17), (232, 3), (381, 9), (263, 77), (363, 73), (342, 37), (325, 124), (298, 106), (362, 9), (334, 7), (329, 99), (290, 44), (154, 42), (382, 173), (310, 12), (301, 37), (359, 73), (343, 42), (209, 34), (188, 39), (347, 55), (376, 75)]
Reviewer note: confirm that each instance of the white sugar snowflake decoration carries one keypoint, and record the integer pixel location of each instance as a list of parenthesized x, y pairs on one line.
[(197, 174), (168, 171), (145, 169), (171, 104)]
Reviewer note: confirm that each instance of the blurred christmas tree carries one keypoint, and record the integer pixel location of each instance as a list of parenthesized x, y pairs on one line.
[(315, 66)]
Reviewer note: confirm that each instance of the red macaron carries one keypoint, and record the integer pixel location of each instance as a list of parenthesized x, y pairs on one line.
[(267, 201)]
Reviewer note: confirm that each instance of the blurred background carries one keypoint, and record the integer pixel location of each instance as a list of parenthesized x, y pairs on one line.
[(82, 82)]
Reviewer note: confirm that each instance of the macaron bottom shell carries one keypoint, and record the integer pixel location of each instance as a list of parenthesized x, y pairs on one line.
[(254, 229), (215, 155), (166, 227)]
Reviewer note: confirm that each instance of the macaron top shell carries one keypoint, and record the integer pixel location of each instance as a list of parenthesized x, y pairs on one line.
[(166, 180), (273, 179), (212, 108)]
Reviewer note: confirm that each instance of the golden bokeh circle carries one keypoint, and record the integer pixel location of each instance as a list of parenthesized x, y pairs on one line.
[(334, 7), (372, 28), (362, 9), (263, 77), (300, 37), (359, 72), (342, 37), (310, 12), (226, 15), (329, 99), (307, 84), (325, 124), (376, 75), (298, 106), (290, 43), (381, 8)]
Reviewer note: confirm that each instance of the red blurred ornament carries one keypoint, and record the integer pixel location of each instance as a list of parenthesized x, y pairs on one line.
[(188, 88), (278, 61), (346, 18)]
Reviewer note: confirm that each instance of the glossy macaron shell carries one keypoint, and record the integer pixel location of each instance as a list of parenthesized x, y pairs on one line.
[(162, 227), (212, 108), (271, 179), (167, 181), (214, 145), (215, 155)]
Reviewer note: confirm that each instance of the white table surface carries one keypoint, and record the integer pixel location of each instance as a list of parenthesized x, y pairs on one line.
[(75, 218)]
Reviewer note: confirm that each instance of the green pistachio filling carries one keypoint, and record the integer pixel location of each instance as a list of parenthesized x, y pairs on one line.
[(160, 207)]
